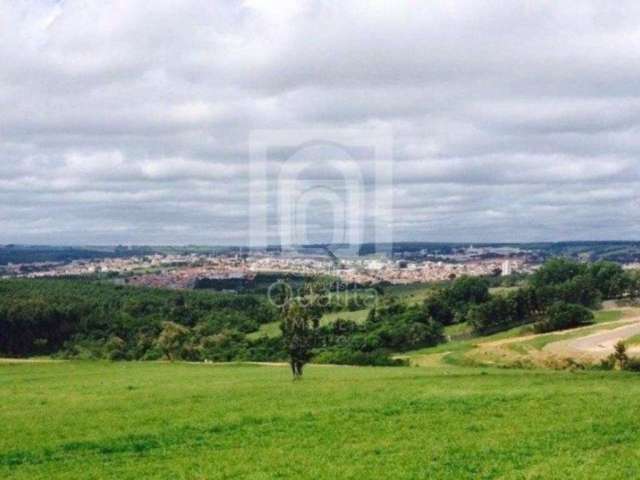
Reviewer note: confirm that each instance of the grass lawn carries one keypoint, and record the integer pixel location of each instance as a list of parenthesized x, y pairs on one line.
[(273, 329), (358, 316), (152, 420), (632, 341), (604, 316), (412, 293), (270, 330), (502, 290), (458, 329)]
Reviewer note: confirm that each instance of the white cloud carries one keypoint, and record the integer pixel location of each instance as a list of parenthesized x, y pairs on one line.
[(130, 121)]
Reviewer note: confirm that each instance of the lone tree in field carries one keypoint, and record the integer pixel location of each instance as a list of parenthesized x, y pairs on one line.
[(619, 357), (299, 321)]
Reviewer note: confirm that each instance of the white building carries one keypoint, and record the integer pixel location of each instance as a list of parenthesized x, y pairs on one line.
[(506, 268)]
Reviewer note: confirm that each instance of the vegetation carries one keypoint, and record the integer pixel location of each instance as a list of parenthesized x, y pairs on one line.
[(390, 327), (92, 320), (451, 303), (558, 280), (298, 325), (150, 420), (602, 321), (160, 420), (347, 356), (605, 316), (357, 316), (619, 357), (632, 341), (561, 316), (76, 319)]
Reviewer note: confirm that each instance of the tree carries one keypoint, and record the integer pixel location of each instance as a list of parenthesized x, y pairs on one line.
[(634, 284), (557, 271), (619, 356), (437, 307), (609, 278), (468, 290), (115, 348), (299, 322), (464, 293), (497, 314), (564, 315), (580, 290), (171, 339)]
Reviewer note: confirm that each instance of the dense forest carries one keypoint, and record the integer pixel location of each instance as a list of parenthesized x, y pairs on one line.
[(82, 319), (95, 320)]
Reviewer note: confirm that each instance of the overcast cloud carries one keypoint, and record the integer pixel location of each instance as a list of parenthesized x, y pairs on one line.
[(130, 122)]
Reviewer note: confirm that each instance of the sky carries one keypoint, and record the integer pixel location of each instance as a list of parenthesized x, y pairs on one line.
[(182, 122)]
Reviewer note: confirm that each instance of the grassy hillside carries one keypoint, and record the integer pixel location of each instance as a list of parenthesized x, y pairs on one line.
[(358, 316), (272, 329), (518, 346), (154, 420), (412, 293)]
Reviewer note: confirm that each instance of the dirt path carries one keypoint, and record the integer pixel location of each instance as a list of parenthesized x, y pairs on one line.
[(596, 342), (525, 338), (599, 344)]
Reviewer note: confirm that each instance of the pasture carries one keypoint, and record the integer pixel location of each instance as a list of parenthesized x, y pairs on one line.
[(160, 420)]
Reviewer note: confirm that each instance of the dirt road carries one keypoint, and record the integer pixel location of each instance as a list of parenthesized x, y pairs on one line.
[(599, 344)]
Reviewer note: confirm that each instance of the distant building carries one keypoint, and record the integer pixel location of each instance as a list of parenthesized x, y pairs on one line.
[(506, 268), (375, 265)]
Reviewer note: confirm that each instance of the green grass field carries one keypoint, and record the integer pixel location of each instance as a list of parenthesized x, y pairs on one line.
[(413, 293), (272, 329), (153, 420), (358, 316)]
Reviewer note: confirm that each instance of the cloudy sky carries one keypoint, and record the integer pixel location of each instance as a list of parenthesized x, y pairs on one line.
[(139, 122)]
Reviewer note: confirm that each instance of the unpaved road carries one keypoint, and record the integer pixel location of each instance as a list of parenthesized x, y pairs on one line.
[(598, 344)]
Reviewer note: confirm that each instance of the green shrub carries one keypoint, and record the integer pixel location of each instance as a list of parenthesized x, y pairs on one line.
[(115, 348), (344, 356), (564, 315), (608, 363), (632, 364)]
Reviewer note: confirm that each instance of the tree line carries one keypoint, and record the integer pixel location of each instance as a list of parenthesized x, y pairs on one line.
[(99, 320), (559, 286), (79, 319)]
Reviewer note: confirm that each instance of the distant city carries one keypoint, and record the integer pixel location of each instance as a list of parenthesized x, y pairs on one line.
[(231, 267)]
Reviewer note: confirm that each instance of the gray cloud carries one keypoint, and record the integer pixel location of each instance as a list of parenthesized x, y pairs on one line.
[(132, 122)]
